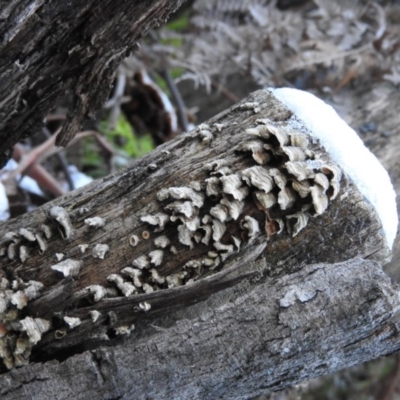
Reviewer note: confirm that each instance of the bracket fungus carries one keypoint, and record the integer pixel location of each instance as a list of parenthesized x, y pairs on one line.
[(63, 222), (68, 267)]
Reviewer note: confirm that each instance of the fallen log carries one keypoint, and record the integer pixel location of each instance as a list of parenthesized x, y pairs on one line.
[(237, 259)]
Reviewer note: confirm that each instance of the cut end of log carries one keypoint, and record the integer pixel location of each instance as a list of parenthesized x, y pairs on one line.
[(348, 151)]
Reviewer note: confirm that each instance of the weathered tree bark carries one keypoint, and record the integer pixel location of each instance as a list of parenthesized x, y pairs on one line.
[(50, 49), (228, 321)]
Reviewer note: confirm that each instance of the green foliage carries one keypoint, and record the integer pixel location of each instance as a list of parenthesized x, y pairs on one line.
[(179, 24), (124, 138), (124, 141)]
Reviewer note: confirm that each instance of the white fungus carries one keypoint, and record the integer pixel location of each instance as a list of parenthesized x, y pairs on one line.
[(348, 151)]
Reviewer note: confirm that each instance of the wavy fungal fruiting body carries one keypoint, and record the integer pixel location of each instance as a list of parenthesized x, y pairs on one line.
[(232, 207)]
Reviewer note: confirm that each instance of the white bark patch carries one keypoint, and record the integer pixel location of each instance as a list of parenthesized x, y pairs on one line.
[(302, 293)]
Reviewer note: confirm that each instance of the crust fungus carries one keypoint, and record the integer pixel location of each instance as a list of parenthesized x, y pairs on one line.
[(124, 330), (186, 208), (34, 328), (274, 226), (61, 217), (195, 185), (19, 299), (207, 236), (232, 184), (213, 187), (259, 178), (141, 262), (322, 181), (264, 201), (83, 247), (234, 207), (220, 212), (286, 198), (59, 256), (46, 230), (95, 222), (207, 136), (68, 267), (182, 193), (159, 219), (134, 274), (12, 250), (218, 229), (297, 139), (319, 199), (156, 257), (94, 315), (222, 171), (156, 277), (260, 130), (301, 170), (280, 134), (162, 242), (237, 242), (257, 149), (27, 234), (302, 188), (100, 250), (145, 306), (216, 164), (148, 288), (279, 178), (125, 287), (23, 253), (11, 237), (219, 127), (252, 227), (41, 242), (335, 173), (185, 235), (72, 322), (175, 280), (300, 221), (294, 153), (97, 291)]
